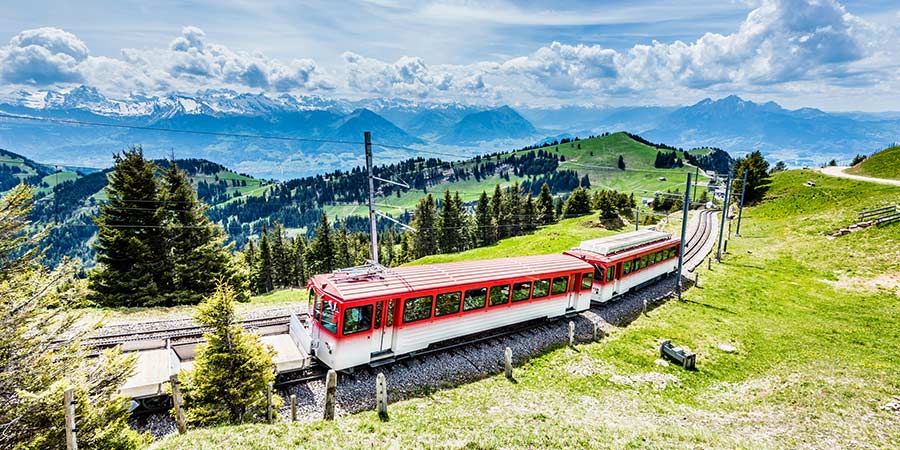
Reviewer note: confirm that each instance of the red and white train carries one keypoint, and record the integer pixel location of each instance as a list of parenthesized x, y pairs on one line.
[(371, 316)]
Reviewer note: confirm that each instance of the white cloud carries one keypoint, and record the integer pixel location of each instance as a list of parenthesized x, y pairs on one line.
[(786, 45), (42, 56)]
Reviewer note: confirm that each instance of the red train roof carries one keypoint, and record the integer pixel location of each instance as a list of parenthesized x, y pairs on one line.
[(404, 280), (628, 254)]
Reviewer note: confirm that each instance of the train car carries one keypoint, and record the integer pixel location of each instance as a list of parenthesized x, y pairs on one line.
[(627, 261), (370, 316)]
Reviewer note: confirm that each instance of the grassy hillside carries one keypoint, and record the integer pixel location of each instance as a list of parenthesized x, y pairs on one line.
[(815, 324), (596, 157), (884, 164)]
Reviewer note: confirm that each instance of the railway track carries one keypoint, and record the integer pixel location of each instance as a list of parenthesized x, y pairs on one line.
[(181, 333), (697, 239)]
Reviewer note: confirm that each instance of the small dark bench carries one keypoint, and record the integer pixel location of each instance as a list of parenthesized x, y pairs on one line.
[(677, 354)]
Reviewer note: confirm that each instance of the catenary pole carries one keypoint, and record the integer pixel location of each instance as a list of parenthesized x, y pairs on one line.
[(637, 218), (741, 208), (373, 231), (684, 222), (724, 216), (696, 181)]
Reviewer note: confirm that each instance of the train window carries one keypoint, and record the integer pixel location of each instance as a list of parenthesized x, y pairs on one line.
[(611, 274), (670, 253), (329, 316), (499, 294), (378, 307), (626, 267), (390, 314), (586, 281), (521, 291), (541, 288), (560, 285), (475, 299), (315, 304), (416, 308), (358, 319), (447, 303), (598, 272), (643, 261)]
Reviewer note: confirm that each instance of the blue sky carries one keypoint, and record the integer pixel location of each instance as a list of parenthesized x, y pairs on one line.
[(822, 53)]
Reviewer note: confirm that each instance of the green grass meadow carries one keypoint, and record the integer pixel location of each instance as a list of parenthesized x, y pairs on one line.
[(815, 324), (884, 164)]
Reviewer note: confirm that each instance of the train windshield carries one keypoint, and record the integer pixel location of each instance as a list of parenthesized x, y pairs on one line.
[(315, 304), (329, 314)]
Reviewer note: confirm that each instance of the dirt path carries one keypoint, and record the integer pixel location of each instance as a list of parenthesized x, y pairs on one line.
[(838, 171)]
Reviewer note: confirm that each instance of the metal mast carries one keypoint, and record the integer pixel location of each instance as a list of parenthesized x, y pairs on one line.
[(724, 216), (684, 221), (373, 230), (741, 209)]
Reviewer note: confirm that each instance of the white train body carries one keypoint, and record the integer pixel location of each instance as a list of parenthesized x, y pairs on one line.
[(371, 315)]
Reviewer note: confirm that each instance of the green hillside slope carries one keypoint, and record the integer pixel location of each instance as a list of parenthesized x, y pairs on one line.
[(813, 322), (884, 164)]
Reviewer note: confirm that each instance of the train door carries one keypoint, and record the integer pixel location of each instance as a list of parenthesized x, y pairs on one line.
[(385, 314), (572, 296)]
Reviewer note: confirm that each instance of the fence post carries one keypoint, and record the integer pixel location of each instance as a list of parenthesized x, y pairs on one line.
[(269, 403), (696, 278), (293, 408), (507, 359), (595, 330), (178, 402), (571, 334), (69, 404), (381, 395), (330, 394), (708, 263)]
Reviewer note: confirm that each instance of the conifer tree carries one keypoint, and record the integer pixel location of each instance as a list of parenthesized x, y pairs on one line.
[(621, 163), (497, 207), (199, 258), (544, 206), (37, 308), (450, 232), (425, 242), (132, 266), (265, 281), (529, 217), (319, 255), (281, 253), (578, 203), (558, 207), (299, 267), (757, 169), (342, 257), (232, 369), (484, 224)]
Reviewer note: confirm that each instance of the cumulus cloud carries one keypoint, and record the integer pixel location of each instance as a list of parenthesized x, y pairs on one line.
[(48, 56), (780, 43), (43, 56)]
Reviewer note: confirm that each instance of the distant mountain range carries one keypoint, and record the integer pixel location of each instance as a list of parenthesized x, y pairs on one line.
[(799, 137)]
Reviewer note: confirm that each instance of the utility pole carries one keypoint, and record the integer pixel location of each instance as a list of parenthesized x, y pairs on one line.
[(724, 215), (741, 209), (372, 228), (637, 218), (696, 181), (684, 222)]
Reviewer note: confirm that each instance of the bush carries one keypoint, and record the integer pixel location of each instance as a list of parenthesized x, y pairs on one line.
[(232, 370)]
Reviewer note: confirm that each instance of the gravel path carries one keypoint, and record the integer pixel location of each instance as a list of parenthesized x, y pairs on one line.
[(417, 376), (838, 171)]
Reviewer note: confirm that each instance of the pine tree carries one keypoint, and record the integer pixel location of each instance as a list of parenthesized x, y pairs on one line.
[(281, 265), (266, 276), (578, 203), (320, 252), (232, 369), (621, 163), (484, 225), (529, 214), (544, 206), (425, 241), (199, 258), (558, 207), (342, 257), (299, 275), (450, 233), (512, 212), (37, 308), (132, 264), (497, 207)]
